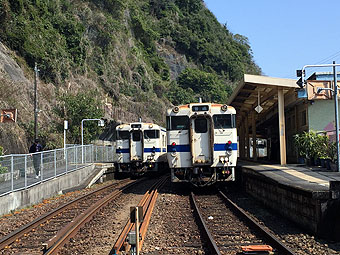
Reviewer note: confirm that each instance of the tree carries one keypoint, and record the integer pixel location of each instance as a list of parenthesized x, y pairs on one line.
[(206, 85), (75, 108)]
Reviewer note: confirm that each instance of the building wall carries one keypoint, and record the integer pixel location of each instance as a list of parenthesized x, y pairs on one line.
[(296, 122), (321, 115)]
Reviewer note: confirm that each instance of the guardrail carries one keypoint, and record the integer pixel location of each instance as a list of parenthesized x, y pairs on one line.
[(21, 171)]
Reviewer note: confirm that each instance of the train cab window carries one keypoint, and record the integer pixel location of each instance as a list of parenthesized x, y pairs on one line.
[(201, 125), (136, 136), (151, 134), (178, 123), (123, 135), (224, 121)]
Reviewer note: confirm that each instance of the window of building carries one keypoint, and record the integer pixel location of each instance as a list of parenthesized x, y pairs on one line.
[(303, 118)]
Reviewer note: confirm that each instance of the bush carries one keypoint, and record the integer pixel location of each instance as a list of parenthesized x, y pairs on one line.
[(2, 168), (312, 145)]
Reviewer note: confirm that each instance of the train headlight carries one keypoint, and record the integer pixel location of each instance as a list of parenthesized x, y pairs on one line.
[(173, 147), (175, 109), (229, 148), (224, 107)]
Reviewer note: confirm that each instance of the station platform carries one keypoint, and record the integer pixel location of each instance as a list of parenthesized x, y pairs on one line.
[(309, 196)]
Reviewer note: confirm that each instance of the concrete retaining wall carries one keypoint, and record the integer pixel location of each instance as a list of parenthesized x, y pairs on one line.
[(39, 192), (314, 211)]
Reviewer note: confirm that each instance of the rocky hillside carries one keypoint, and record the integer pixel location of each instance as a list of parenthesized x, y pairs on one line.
[(119, 59)]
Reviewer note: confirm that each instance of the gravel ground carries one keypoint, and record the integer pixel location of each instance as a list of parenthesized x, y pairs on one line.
[(172, 228), (99, 235), (293, 236)]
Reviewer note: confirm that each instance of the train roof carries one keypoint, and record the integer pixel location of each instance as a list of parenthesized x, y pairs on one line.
[(139, 125), (191, 108)]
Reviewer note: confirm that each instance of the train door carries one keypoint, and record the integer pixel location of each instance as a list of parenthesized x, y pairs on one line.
[(201, 141), (136, 145)]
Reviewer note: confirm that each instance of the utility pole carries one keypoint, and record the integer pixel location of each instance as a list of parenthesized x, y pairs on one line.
[(336, 114), (36, 70)]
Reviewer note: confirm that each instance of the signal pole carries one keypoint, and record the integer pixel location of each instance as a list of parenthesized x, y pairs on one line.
[(36, 70)]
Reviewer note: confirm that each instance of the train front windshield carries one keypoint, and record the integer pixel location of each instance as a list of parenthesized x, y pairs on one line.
[(224, 121), (123, 135), (151, 134), (177, 122)]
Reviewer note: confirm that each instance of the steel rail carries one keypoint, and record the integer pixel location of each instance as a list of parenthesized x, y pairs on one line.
[(265, 231), (17, 234), (212, 241), (71, 229), (147, 202)]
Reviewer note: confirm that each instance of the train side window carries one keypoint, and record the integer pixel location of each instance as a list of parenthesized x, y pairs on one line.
[(179, 122), (136, 136), (201, 125), (123, 135), (224, 121), (151, 134)]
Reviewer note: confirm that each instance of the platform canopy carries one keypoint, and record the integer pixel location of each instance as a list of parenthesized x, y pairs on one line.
[(258, 96), (245, 97)]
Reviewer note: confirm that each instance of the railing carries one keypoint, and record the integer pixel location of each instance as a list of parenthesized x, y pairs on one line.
[(21, 171)]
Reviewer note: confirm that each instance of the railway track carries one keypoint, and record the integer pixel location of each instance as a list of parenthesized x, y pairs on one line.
[(147, 204), (230, 230), (49, 229)]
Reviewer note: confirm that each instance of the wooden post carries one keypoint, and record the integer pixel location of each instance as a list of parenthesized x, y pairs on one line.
[(240, 134), (242, 141), (282, 134), (247, 136), (253, 127), (137, 230)]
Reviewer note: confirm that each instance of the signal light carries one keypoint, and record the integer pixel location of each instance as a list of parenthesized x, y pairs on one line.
[(229, 142), (300, 82), (173, 144), (300, 73)]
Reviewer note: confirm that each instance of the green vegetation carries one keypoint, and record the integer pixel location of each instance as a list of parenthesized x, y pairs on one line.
[(133, 53), (3, 169), (312, 145), (75, 108)]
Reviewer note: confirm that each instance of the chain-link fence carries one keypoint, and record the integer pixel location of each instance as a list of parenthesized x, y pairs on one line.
[(20, 171)]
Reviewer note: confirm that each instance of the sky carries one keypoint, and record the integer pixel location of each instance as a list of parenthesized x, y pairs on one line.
[(285, 35)]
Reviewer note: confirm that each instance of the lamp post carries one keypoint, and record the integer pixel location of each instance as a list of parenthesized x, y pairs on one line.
[(100, 124), (335, 94)]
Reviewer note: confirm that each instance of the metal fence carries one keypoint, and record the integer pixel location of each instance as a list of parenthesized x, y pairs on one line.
[(21, 171)]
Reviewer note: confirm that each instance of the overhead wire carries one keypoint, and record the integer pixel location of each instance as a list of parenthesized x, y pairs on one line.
[(333, 57)]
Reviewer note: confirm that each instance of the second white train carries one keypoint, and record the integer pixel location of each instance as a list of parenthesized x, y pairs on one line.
[(140, 147)]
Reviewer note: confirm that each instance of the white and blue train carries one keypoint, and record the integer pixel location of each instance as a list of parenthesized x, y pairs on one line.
[(140, 147), (202, 143)]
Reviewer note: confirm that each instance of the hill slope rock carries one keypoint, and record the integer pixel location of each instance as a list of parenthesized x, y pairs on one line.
[(132, 58)]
